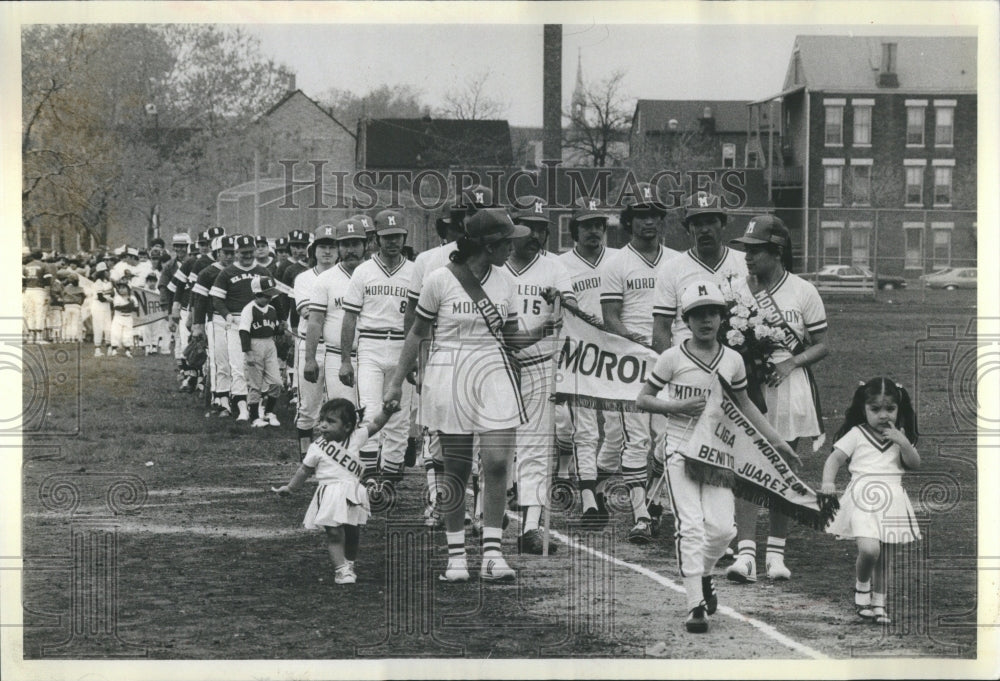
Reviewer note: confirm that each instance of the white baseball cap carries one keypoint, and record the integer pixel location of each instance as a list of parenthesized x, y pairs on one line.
[(700, 294)]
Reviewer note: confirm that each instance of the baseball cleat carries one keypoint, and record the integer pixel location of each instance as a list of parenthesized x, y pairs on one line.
[(457, 570), (641, 533), (708, 593), (591, 520), (272, 420), (531, 542), (776, 570), (98, 353), (128, 353), (259, 423), (743, 570), (696, 622), (495, 569)]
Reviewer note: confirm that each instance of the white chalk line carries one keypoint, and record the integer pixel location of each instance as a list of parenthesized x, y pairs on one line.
[(763, 627)]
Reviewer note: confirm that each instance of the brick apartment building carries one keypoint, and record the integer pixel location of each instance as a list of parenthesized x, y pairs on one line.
[(876, 163)]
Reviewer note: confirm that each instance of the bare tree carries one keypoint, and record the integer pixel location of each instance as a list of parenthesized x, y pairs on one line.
[(598, 122), (472, 102), (384, 101)]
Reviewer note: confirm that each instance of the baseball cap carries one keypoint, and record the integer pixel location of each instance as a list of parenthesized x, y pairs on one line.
[(263, 285), (243, 241), (261, 241), (533, 212), (764, 229), (132, 252), (364, 221), (328, 233), (227, 243), (389, 222), (281, 243), (212, 233), (474, 198), (101, 267), (587, 207), (180, 239), (701, 203), (349, 229), (700, 294), (493, 224), (645, 197), (298, 237)]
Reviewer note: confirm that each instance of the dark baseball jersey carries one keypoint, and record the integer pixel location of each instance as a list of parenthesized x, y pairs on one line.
[(36, 274), (288, 309), (163, 285), (202, 303), (178, 286), (200, 263), (257, 322), (232, 286)]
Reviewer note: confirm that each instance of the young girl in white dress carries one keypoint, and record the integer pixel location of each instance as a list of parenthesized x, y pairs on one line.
[(340, 503), (877, 443)]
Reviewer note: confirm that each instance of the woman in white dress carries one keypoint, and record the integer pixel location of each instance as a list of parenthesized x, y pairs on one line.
[(471, 384)]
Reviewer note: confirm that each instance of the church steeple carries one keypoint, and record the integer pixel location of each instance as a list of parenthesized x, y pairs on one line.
[(579, 103)]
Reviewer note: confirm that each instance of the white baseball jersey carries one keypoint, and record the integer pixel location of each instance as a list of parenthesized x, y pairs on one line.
[(327, 298), (682, 375), (685, 270), (302, 291), (630, 279), (801, 307), (378, 295), (868, 453), (542, 272), (586, 278), (427, 262)]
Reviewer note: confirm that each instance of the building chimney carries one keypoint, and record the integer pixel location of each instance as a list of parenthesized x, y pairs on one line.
[(291, 82), (887, 74), (707, 121), (552, 94)]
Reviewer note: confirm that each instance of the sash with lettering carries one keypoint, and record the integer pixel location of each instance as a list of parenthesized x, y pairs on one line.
[(598, 369), (150, 310), (494, 321), (794, 344), (726, 450)]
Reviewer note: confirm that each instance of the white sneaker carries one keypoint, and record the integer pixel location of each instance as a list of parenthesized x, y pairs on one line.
[(113, 352), (457, 570), (128, 353), (776, 569), (225, 409), (272, 420), (495, 569), (244, 411), (98, 353), (345, 574), (743, 570), (259, 423)]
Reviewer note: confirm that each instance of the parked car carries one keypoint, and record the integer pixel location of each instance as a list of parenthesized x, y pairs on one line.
[(854, 273), (956, 277), (936, 273)]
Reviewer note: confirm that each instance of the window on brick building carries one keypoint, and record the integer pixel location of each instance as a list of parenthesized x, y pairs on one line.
[(861, 233), (942, 185), (944, 126), (914, 126), (861, 185), (833, 182), (565, 239), (941, 244), (831, 242), (834, 126), (862, 126), (914, 185), (913, 245)]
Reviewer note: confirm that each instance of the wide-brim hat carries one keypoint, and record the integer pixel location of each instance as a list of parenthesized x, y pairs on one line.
[(493, 224)]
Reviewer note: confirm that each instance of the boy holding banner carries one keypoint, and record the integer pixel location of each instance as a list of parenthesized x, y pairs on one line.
[(700, 478)]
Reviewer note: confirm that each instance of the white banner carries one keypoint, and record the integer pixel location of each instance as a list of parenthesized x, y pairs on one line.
[(598, 369), (150, 310)]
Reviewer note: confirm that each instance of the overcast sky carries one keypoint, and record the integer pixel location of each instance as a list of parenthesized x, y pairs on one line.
[(660, 61)]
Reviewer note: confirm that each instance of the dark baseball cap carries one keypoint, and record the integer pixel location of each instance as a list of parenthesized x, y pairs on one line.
[(764, 229), (474, 198), (493, 224), (701, 203), (298, 237), (243, 241), (644, 198), (364, 221), (349, 229), (263, 285), (587, 207), (533, 212), (389, 222), (281, 244)]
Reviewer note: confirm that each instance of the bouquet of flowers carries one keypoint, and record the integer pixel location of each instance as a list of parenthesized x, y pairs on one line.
[(745, 330)]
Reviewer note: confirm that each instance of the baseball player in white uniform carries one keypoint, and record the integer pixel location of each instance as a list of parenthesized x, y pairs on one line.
[(375, 306), (627, 304), (577, 426), (36, 278), (312, 393), (539, 278)]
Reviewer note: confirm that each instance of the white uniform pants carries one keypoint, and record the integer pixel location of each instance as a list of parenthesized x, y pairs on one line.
[(535, 439), (35, 302), (222, 378), (634, 428), (329, 366), (581, 422), (121, 331), (311, 395), (263, 375), (72, 328), (237, 372), (377, 360), (100, 317), (704, 520), (182, 336)]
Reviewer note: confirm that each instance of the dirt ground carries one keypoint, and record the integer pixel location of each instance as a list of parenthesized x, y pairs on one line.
[(148, 532)]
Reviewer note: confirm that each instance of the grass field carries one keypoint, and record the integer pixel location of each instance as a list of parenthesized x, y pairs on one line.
[(148, 532)]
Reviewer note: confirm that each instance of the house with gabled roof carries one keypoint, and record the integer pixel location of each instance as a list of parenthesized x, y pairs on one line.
[(876, 164), (299, 128)]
